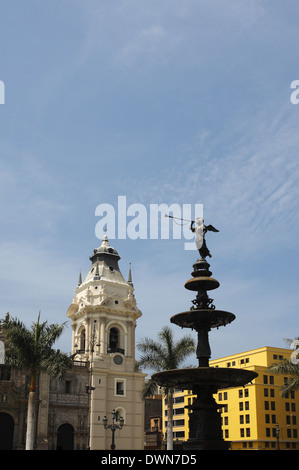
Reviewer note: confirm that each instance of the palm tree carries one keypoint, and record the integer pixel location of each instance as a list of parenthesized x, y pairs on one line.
[(289, 367), (164, 354), (32, 350)]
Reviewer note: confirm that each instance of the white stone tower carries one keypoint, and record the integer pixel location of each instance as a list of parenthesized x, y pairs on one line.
[(103, 315)]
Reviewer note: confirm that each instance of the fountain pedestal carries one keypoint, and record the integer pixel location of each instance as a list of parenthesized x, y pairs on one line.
[(205, 422), (205, 431)]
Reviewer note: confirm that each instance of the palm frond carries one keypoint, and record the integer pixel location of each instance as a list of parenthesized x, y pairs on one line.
[(150, 388), (287, 367), (56, 363), (284, 367), (32, 349)]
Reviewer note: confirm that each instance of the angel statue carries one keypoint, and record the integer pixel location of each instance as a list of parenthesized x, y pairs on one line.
[(200, 232)]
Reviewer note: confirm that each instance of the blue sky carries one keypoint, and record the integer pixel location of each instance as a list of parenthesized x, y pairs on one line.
[(161, 101)]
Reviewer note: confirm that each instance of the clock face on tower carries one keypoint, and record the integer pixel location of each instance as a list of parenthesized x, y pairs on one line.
[(118, 359)]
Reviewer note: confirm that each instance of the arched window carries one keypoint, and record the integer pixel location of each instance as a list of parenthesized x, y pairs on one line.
[(82, 340), (4, 370), (114, 340), (120, 413)]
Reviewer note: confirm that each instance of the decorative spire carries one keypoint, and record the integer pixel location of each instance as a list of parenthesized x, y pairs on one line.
[(80, 279), (105, 241), (97, 276), (130, 276)]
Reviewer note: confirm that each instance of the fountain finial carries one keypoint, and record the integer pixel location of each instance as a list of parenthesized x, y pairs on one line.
[(200, 232)]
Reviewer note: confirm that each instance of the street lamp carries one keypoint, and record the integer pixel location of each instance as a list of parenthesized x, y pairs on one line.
[(277, 434), (113, 426), (89, 388)]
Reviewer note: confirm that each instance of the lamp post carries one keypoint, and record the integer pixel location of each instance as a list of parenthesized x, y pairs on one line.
[(89, 388), (113, 426), (277, 434)]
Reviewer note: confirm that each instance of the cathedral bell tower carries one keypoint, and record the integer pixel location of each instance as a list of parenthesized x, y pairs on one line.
[(104, 314)]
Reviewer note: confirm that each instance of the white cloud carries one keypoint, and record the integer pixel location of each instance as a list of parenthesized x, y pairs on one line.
[(246, 178), (152, 31)]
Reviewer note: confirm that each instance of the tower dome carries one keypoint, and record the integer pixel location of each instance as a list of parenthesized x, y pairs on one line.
[(103, 290), (105, 266), (104, 249)]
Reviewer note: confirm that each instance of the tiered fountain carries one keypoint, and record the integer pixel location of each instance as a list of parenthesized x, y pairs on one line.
[(204, 418)]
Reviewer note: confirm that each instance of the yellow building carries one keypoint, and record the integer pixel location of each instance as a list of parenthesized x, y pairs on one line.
[(251, 415)]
